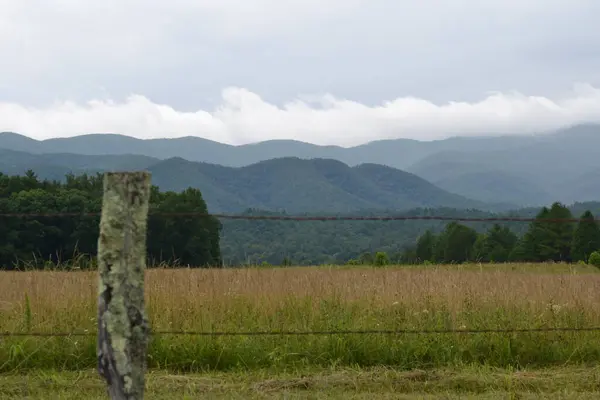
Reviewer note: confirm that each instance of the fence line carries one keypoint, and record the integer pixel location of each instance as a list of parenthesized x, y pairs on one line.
[(320, 333), (306, 218)]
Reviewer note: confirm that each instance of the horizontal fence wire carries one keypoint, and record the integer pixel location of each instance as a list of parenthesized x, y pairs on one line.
[(304, 217), (322, 333)]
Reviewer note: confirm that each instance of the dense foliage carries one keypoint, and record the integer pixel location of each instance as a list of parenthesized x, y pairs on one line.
[(38, 241), (547, 239), (201, 241), (337, 242)]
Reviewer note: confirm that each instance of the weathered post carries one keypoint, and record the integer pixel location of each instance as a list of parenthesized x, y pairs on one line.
[(123, 327)]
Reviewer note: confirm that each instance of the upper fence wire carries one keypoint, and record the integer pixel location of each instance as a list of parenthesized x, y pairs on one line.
[(306, 217)]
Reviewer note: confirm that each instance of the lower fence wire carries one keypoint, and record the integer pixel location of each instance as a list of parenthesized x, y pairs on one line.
[(306, 333)]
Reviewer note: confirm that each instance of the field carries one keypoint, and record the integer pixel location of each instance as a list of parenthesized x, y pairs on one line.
[(320, 299)]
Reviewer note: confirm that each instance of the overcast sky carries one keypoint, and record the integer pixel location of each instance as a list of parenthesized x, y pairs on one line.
[(323, 71)]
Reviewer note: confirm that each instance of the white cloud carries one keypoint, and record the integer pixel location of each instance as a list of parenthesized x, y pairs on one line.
[(244, 117)]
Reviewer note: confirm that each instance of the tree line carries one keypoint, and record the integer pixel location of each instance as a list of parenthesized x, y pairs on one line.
[(39, 242), (53, 240), (546, 239)]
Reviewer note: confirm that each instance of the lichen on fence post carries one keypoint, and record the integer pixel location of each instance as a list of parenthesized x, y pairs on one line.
[(123, 327)]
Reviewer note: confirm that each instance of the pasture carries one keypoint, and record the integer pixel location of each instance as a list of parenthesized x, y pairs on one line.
[(468, 297)]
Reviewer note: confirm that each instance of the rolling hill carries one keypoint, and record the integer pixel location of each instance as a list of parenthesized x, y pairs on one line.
[(286, 184), (55, 166), (297, 185)]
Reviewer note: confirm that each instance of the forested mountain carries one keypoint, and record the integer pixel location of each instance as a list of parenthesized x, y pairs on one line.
[(296, 186), (284, 184), (522, 170)]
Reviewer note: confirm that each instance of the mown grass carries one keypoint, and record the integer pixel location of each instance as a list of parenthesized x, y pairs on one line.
[(483, 383), (317, 299)]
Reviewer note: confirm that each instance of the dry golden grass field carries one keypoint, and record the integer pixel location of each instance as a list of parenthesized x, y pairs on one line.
[(317, 299)]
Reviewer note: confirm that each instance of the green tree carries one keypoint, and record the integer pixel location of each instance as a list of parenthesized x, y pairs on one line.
[(409, 256), (586, 238), (548, 240), (381, 258), (594, 259), (286, 262), (36, 241), (521, 251), (426, 246), (366, 258), (184, 240), (495, 245), (479, 248), (455, 243), (560, 234), (534, 246)]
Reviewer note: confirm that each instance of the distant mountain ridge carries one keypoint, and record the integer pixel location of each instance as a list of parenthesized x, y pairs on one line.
[(397, 153), (298, 185), (525, 170), (288, 184)]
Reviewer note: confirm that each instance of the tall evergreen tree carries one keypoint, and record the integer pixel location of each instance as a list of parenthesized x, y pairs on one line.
[(425, 246), (528, 248), (455, 243), (521, 251), (561, 233), (495, 245), (547, 240), (586, 238)]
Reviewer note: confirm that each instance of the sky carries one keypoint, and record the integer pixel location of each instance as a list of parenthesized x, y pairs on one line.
[(339, 72)]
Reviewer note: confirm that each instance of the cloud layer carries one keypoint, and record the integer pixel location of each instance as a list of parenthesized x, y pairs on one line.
[(244, 117), (368, 50)]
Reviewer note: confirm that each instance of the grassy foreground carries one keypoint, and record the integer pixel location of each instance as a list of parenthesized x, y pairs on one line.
[(319, 298), (373, 383)]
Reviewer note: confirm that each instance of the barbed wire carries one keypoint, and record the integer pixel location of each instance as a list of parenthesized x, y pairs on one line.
[(321, 333), (305, 217)]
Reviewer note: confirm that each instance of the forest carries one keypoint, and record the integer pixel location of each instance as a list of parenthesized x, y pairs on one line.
[(548, 238), (40, 242)]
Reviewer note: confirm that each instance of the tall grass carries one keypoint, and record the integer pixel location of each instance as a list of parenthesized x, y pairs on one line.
[(319, 298)]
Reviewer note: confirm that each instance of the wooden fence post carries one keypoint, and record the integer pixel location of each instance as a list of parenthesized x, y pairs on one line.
[(123, 327)]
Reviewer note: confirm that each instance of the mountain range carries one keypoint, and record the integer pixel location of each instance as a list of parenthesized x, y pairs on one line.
[(287, 184), (484, 172)]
